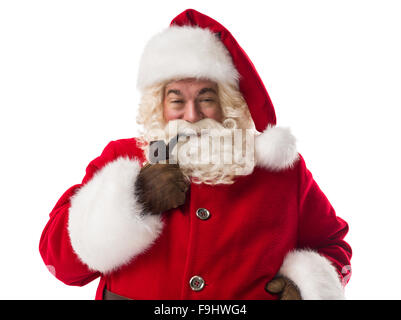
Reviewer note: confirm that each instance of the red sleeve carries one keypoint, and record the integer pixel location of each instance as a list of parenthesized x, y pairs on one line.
[(55, 246), (319, 227)]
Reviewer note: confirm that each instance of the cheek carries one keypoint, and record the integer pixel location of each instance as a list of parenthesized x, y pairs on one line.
[(171, 114), (214, 113)]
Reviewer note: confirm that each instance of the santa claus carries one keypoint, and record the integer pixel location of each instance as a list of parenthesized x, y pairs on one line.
[(212, 201)]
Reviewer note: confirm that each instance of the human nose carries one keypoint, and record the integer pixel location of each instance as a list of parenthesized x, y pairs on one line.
[(192, 113)]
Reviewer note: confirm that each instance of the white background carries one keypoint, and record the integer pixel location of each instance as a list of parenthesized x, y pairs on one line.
[(67, 88)]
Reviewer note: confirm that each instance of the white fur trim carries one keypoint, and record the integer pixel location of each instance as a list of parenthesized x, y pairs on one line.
[(275, 149), (105, 225), (314, 275), (185, 52)]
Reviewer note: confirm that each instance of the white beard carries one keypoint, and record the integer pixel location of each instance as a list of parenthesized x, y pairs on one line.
[(208, 152)]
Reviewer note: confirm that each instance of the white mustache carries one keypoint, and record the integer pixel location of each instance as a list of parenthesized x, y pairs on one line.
[(185, 128)]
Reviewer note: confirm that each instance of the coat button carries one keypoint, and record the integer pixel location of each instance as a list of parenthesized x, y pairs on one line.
[(196, 283), (203, 213)]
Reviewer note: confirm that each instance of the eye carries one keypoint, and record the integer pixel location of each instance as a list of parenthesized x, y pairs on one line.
[(207, 100), (177, 101)]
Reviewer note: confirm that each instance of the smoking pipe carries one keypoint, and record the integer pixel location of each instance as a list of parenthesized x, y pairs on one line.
[(158, 150)]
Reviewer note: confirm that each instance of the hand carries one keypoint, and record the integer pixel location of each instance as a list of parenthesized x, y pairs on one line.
[(284, 287), (160, 187)]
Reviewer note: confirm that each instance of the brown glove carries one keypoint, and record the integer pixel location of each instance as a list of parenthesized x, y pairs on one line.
[(160, 187), (284, 287)]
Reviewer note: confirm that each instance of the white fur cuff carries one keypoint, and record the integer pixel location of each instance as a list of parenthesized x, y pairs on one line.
[(105, 224), (314, 275)]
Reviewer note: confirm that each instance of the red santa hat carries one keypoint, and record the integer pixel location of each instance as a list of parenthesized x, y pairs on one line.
[(196, 46)]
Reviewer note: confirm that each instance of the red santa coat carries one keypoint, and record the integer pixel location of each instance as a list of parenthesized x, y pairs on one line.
[(275, 220)]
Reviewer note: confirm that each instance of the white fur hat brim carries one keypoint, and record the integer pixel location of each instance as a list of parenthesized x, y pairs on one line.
[(186, 52)]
